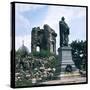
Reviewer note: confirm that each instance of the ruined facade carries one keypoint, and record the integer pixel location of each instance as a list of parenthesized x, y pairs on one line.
[(43, 39)]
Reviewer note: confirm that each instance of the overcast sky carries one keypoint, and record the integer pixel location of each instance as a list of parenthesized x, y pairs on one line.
[(33, 15)]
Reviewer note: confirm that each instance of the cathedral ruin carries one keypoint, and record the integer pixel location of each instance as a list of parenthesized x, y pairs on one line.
[(43, 39)]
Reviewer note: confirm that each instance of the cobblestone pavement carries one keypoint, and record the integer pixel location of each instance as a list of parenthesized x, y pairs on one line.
[(67, 80)]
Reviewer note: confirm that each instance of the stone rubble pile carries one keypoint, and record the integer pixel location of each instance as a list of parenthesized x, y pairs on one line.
[(35, 69)]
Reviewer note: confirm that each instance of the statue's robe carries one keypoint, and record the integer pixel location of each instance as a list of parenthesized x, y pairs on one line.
[(64, 32)]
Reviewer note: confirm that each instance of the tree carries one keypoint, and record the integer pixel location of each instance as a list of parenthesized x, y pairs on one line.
[(79, 53)]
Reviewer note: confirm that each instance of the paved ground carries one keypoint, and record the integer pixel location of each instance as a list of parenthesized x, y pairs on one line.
[(66, 80)]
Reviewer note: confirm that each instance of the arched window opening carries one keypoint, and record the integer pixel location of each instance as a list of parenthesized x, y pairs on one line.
[(38, 49)]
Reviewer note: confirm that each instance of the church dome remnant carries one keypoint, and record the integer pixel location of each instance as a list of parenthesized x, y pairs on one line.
[(44, 38), (23, 50)]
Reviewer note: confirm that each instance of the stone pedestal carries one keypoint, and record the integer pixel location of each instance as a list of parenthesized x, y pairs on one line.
[(65, 57)]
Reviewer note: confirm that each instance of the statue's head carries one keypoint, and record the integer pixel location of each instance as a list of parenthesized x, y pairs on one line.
[(62, 18)]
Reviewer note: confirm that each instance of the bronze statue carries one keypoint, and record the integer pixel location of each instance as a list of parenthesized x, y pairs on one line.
[(64, 32)]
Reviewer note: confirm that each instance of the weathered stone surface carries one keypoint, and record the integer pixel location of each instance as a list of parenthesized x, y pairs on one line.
[(45, 39)]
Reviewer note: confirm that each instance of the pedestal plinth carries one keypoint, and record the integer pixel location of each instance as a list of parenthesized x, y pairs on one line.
[(66, 62)]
